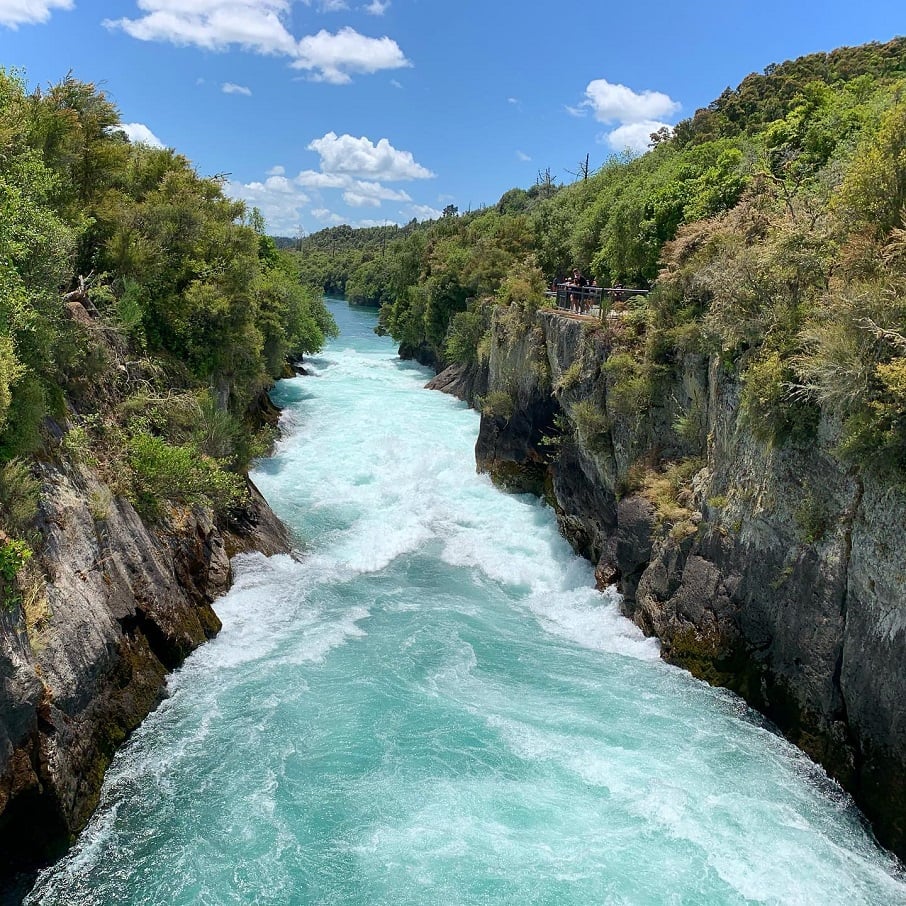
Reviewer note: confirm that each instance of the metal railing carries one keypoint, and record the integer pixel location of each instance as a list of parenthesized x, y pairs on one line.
[(584, 299)]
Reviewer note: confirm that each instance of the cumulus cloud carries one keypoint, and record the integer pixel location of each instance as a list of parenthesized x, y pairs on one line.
[(360, 157), (213, 24), (259, 26), (332, 57), (326, 214), (618, 104), (232, 88), (371, 194), (634, 136), (357, 169), (635, 115), (423, 212), (279, 199), (14, 13), (140, 134), (377, 8)]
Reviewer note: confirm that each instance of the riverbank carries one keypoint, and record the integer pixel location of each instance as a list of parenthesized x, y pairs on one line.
[(774, 571), (435, 704), (118, 602)]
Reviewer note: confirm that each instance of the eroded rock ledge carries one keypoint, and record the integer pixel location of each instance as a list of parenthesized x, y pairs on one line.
[(780, 574), (83, 659)]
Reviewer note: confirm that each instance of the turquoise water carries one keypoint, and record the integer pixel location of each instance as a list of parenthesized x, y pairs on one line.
[(433, 706)]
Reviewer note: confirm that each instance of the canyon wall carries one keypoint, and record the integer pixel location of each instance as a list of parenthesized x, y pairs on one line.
[(775, 570), (113, 605)]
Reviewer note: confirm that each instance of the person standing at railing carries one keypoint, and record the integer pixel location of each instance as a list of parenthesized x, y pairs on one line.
[(579, 282)]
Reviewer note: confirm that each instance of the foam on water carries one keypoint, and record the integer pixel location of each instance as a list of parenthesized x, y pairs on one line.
[(432, 704)]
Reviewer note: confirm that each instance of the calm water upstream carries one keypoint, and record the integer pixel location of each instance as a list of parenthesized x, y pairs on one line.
[(435, 707)]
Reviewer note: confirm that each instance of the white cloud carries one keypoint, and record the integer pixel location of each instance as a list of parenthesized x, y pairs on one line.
[(233, 88), (325, 214), (256, 25), (423, 212), (396, 84), (278, 199), (140, 134), (356, 168), (634, 136), (333, 57), (377, 8), (329, 6), (14, 13), (360, 157), (512, 100), (313, 179), (371, 194), (213, 24), (618, 104), (521, 155), (354, 200), (635, 114)]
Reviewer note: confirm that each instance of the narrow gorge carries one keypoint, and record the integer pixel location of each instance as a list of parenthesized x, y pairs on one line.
[(434, 702)]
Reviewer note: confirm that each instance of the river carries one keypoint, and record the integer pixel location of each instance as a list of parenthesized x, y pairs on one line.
[(432, 705)]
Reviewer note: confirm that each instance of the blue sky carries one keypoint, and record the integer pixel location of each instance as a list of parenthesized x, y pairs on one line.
[(377, 111)]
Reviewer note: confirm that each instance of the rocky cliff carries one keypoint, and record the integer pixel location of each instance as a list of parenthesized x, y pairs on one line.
[(113, 604), (774, 570)]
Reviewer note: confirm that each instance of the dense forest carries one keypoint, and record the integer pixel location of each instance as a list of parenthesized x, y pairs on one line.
[(143, 314), (770, 225)]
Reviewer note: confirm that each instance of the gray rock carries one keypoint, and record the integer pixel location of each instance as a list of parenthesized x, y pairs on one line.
[(85, 661), (786, 582)]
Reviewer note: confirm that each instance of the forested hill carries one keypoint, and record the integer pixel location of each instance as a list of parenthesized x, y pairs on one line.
[(771, 226)]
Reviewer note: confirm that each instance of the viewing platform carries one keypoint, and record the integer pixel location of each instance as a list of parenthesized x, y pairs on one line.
[(589, 300)]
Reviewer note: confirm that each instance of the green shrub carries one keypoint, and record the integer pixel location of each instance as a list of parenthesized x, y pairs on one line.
[(813, 518), (768, 407), (181, 474), (19, 496), (464, 336), (14, 554), (631, 386), (689, 425), (591, 423), (498, 404), (570, 377)]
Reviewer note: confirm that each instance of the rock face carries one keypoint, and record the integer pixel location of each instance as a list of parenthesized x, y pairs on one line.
[(780, 572), (468, 383), (84, 657)]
